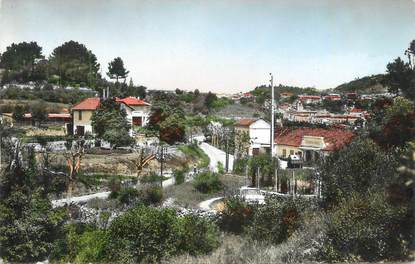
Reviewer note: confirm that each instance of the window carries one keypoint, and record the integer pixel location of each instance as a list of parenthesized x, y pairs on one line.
[(79, 115), (284, 153), (291, 152), (137, 120)]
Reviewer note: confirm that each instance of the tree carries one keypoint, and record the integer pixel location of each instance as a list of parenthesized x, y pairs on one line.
[(392, 123), (210, 99), (18, 56), (18, 113), (73, 155), (39, 114), (110, 124), (358, 167), (169, 121), (400, 78), (196, 92), (28, 224), (75, 64), (116, 69)]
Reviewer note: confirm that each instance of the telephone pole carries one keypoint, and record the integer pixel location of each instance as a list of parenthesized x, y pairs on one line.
[(272, 115)]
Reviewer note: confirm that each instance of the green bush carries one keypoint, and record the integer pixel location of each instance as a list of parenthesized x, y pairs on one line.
[(366, 227), (221, 169), (199, 235), (239, 166), (151, 194), (146, 235), (275, 221), (128, 195), (207, 182), (179, 176), (80, 243), (237, 214)]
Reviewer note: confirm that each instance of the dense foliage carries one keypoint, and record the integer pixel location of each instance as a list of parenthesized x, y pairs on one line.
[(109, 123), (28, 224), (207, 182), (360, 167), (73, 63)]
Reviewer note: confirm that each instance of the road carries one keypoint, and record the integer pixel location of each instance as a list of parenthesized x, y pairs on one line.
[(216, 155)]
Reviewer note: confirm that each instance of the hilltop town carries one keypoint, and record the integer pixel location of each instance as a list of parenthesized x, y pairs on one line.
[(103, 170)]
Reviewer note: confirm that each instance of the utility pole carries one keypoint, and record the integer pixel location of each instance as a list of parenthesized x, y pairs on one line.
[(161, 160), (272, 138), (272, 115), (227, 154)]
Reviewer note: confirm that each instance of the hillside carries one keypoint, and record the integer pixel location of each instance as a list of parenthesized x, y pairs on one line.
[(367, 84)]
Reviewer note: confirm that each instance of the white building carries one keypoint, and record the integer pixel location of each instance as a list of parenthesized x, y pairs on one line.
[(258, 131)]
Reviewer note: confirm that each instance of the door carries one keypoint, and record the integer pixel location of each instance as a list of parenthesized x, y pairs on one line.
[(80, 130)]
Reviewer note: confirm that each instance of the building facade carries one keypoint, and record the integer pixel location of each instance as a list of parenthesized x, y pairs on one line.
[(137, 110)]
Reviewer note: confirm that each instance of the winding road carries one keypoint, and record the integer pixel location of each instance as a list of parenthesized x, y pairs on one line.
[(216, 155)]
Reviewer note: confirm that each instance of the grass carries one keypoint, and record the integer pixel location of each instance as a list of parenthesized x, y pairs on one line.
[(238, 249), (187, 196), (193, 150)]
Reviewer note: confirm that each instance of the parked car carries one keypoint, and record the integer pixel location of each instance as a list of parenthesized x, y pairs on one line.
[(252, 195)]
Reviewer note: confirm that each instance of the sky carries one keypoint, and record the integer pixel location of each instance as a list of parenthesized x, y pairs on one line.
[(222, 46)]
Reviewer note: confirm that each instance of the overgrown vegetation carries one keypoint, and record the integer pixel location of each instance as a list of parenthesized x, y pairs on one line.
[(207, 182), (141, 235)]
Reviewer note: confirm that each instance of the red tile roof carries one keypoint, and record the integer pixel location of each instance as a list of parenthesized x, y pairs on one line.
[(312, 97), (88, 104), (355, 110), (51, 116), (333, 138), (132, 101), (245, 122)]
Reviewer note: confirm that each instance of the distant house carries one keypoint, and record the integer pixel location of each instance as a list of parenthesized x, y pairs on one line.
[(137, 110), (82, 114), (258, 132), (333, 97), (309, 99), (55, 119), (311, 143)]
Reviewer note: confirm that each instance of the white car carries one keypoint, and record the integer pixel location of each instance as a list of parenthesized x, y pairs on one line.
[(252, 195)]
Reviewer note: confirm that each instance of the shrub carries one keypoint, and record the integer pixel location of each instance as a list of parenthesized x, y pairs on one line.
[(275, 221), (179, 176), (152, 178), (80, 243), (239, 166), (236, 215), (207, 182), (199, 235), (221, 169), (151, 194), (144, 234), (366, 227), (128, 195)]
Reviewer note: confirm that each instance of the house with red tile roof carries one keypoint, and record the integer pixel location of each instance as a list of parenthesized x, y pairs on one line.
[(258, 131), (137, 110), (310, 143), (309, 99)]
